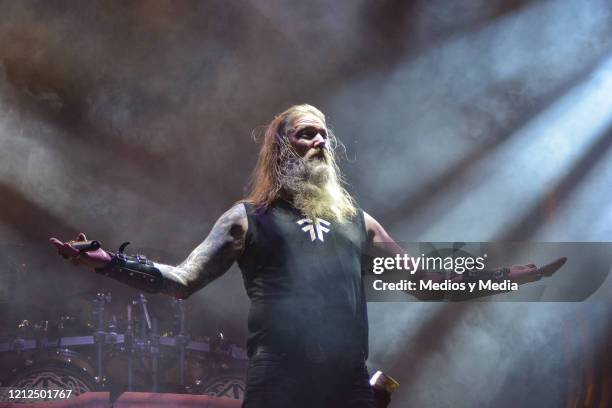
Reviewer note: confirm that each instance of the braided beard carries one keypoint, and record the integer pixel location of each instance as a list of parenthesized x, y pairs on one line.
[(315, 187)]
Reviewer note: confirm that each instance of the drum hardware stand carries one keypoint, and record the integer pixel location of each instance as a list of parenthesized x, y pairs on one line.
[(100, 336), (150, 346), (128, 342), (41, 339), (112, 337), (19, 342), (220, 348), (182, 339), (18, 345), (219, 345), (142, 301), (140, 343), (154, 350)]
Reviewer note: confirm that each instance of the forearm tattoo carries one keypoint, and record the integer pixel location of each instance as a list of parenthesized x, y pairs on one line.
[(209, 260)]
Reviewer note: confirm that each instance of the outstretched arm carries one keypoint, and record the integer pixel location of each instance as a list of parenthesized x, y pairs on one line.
[(209, 260), (379, 239)]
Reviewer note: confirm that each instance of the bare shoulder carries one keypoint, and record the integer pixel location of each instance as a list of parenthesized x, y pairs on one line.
[(373, 227), (233, 220), (235, 215), (370, 222), (376, 233)]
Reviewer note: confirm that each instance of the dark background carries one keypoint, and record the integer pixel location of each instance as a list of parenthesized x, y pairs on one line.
[(471, 120)]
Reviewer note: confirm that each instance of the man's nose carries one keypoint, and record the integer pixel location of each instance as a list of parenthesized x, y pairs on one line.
[(319, 141)]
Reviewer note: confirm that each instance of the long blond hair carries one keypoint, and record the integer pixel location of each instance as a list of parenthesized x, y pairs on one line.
[(266, 185)]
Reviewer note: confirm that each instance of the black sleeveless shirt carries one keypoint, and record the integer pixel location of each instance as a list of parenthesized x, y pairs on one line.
[(304, 281)]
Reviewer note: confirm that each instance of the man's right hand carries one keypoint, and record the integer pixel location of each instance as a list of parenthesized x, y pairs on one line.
[(93, 259)]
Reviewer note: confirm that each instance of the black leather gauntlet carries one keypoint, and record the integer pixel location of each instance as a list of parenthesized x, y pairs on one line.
[(497, 275), (136, 271)]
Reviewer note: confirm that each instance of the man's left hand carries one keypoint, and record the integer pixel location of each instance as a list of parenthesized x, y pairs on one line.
[(530, 272)]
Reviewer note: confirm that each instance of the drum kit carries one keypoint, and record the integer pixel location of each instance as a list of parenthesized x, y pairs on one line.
[(89, 352)]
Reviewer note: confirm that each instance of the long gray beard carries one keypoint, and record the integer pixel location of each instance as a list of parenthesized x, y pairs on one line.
[(315, 188), (298, 174)]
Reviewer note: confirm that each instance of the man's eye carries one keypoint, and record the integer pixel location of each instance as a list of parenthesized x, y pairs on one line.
[(308, 134), (311, 133)]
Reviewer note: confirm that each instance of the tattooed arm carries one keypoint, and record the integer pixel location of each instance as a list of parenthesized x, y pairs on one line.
[(381, 243), (209, 260)]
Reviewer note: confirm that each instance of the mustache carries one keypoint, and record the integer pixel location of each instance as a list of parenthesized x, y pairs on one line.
[(321, 152), (297, 174)]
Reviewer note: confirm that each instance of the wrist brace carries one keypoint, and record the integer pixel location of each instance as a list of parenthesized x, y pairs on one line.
[(497, 275), (136, 271)]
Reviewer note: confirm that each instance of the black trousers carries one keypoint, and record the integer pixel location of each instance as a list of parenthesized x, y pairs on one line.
[(281, 380)]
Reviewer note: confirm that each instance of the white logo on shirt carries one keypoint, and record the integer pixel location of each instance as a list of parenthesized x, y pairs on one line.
[(315, 229)]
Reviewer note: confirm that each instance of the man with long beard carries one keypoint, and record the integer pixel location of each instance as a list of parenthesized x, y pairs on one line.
[(299, 239)]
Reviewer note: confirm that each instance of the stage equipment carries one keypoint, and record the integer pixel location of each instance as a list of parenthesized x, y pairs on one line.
[(120, 354)]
